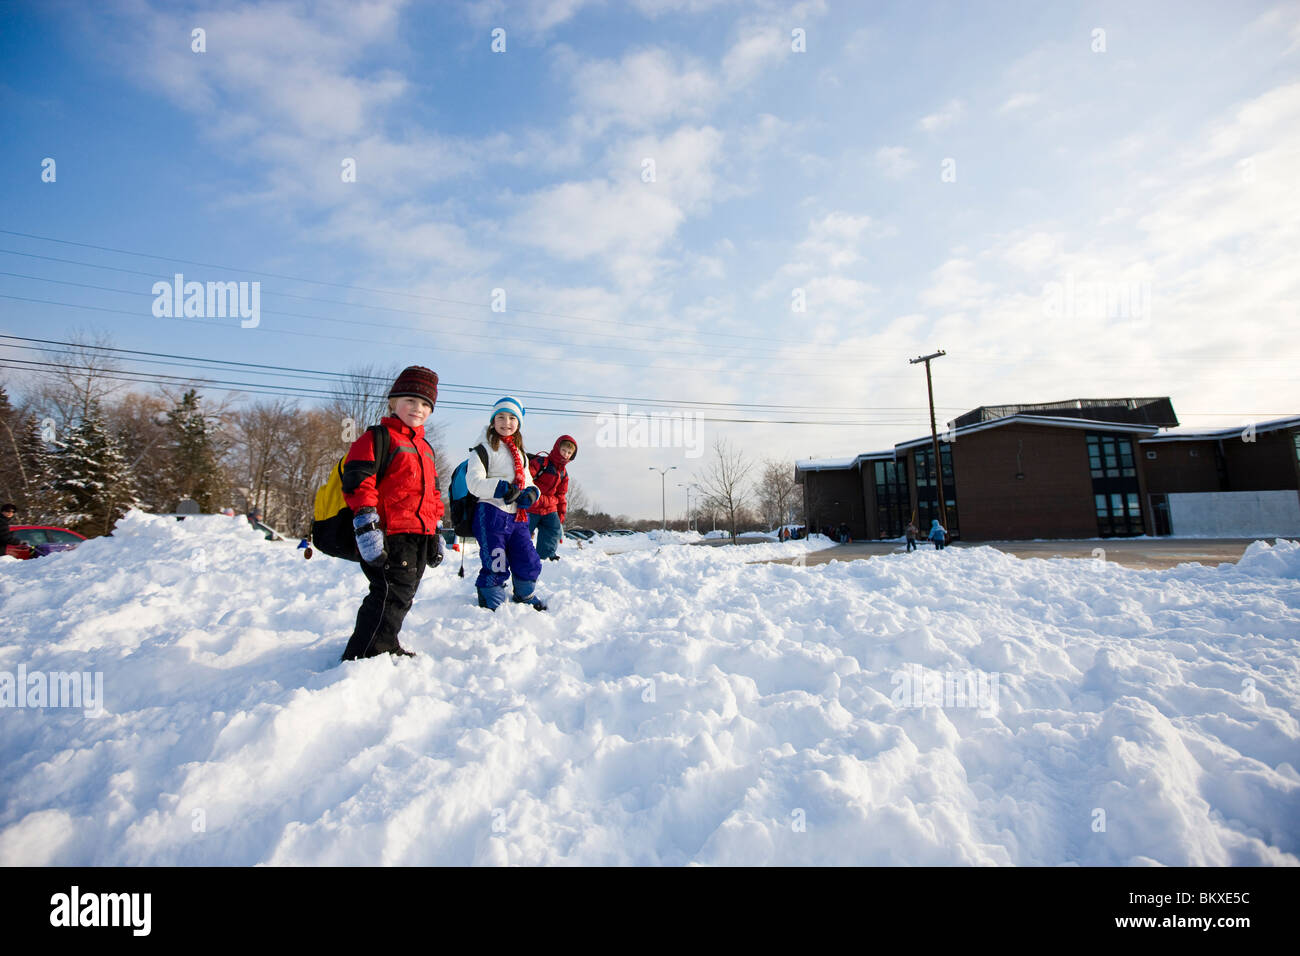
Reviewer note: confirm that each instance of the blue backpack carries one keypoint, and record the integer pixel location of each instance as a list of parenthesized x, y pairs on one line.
[(463, 502)]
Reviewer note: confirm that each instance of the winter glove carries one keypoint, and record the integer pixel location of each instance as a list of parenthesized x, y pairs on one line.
[(528, 497), (370, 537), (503, 489), (437, 549), (510, 495)]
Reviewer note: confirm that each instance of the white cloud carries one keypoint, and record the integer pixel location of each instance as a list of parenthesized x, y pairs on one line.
[(645, 87), (657, 8), (956, 287), (944, 117), (755, 50), (894, 161), (1019, 101), (532, 17), (622, 219)]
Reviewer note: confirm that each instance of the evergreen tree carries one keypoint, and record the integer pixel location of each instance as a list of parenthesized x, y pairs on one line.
[(92, 477), (13, 483), (194, 470), (41, 501)]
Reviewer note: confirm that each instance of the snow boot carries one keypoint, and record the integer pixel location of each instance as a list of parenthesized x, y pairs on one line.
[(524, 595), (491, 598)]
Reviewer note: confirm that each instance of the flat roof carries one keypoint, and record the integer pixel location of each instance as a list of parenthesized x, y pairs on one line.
[(841, 464), (1032, 420), (1214, 434)]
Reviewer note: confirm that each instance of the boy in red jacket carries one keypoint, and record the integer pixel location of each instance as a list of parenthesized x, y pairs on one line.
[(397, 519), (551, 477)]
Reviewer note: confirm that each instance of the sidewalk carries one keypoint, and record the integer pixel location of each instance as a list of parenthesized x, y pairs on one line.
[(1131, 552)]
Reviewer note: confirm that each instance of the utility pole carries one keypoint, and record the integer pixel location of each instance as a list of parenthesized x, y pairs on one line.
[(682, 484), (934, 434), (663, 492)]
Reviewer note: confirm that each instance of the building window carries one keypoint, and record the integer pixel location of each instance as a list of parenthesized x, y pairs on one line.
[(893, 501), (927, 499), (1151, 456), (1114, 485), (1110, 456)]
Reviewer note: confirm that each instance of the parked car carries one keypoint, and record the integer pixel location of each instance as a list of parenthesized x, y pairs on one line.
[(582, 534), (620, 531), (43, 540)]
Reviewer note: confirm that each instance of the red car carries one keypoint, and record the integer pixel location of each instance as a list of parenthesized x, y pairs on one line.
[(43, 539)]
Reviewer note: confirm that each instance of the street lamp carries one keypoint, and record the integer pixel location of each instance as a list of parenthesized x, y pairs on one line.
[(663, 492)]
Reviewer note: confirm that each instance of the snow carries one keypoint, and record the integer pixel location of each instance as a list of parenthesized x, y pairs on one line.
[(677, 705)]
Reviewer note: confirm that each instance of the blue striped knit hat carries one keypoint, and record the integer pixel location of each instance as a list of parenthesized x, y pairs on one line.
[(510, 405)]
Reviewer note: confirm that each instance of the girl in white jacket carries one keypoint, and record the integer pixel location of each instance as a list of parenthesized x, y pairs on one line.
[(505, 490)]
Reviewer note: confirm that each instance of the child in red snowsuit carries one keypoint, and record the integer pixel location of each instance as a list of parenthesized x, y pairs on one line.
[(550, 474), (397, 519)]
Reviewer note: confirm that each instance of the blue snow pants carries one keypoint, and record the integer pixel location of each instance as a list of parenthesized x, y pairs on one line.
[(505, 548), (548, 539)]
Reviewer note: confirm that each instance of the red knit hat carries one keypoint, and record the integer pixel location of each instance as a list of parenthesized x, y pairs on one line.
[(418, 382)]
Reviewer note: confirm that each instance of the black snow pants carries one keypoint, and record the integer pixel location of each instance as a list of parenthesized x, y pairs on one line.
[(392, 589)]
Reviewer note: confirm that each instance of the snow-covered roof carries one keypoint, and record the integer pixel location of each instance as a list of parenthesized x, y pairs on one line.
[(1030, 420), (1184, 433), (841, 464)]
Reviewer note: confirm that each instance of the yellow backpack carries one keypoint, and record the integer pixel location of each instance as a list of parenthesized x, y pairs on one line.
[(331, 525)]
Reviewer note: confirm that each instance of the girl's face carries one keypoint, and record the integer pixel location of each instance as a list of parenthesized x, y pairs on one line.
[(505, 424), (566, 451), (411, 410)]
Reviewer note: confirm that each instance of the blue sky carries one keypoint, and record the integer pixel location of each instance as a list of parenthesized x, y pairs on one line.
[(1155, 157)]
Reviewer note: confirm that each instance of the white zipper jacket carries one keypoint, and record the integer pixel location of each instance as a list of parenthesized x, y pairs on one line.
[(482, 482)]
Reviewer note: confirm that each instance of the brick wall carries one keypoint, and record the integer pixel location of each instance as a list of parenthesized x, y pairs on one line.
[(1053, 500)]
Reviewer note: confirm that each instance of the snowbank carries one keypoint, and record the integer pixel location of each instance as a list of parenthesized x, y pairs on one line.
[(677, 705)]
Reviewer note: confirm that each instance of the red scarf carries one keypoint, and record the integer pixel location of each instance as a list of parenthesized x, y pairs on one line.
[(519, 471)]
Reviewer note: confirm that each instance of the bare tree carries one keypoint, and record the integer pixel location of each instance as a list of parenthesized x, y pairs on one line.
[(262, 432), (578, 501), (778, 494), (79, 375), (362, 396), (308, 451), (723, 481)]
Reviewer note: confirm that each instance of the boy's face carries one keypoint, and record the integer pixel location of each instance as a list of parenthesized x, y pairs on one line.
[(410, 410), (8, 512), (566, 450), (505, 424)]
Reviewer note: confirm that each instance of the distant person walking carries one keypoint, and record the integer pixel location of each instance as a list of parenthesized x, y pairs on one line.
[(7, 537), (938, 534), (911, 533)]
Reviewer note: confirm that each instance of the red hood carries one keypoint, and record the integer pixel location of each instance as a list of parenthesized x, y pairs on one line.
[(555, 450)]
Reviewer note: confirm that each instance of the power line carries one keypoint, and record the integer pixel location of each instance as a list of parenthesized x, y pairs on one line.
[(158, 378), (495, 353), (261, 368)]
